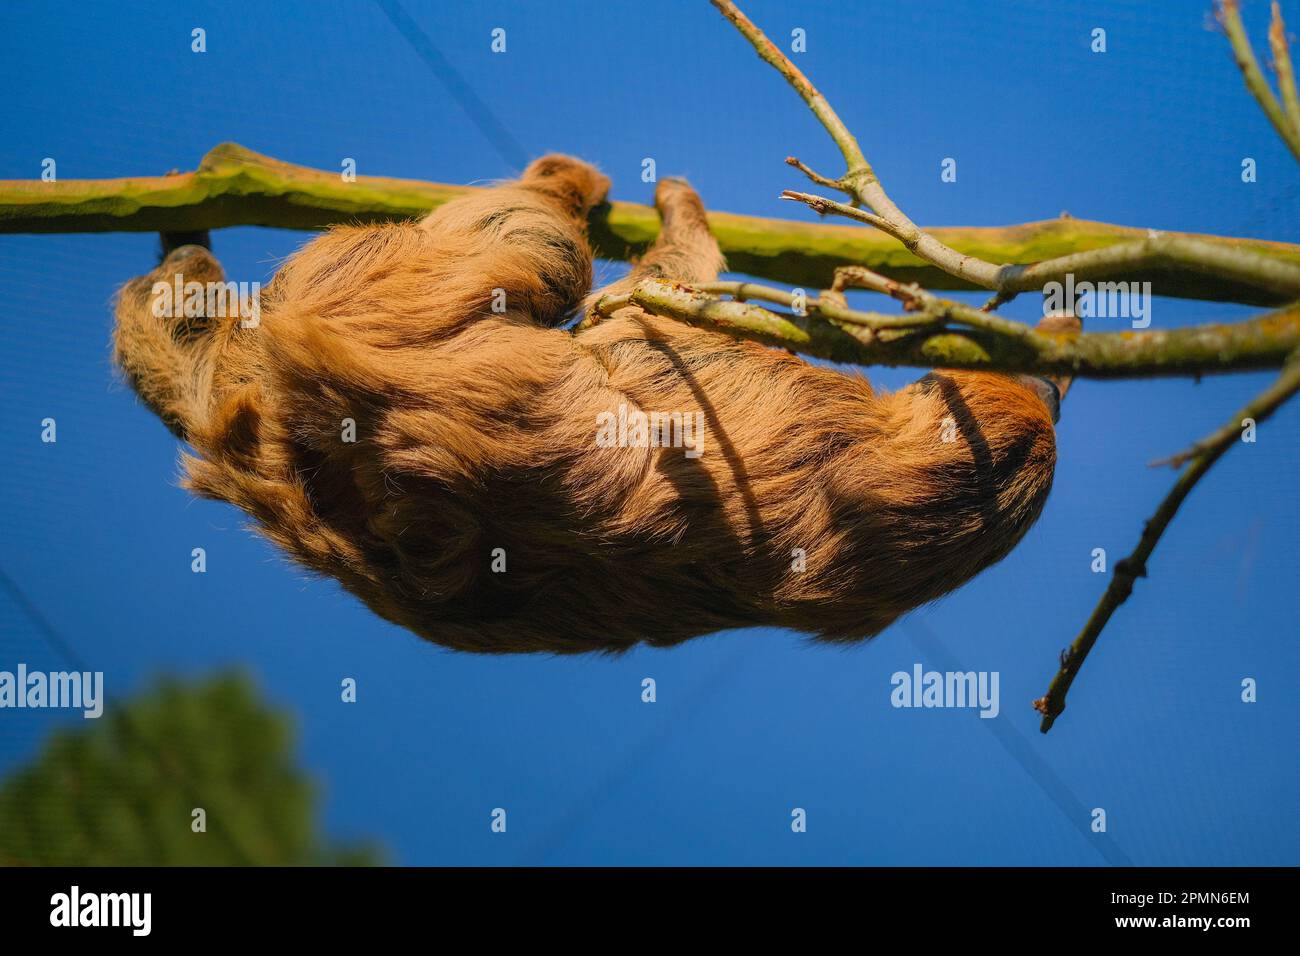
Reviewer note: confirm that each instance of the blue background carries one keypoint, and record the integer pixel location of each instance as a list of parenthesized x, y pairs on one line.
[(748, 724)]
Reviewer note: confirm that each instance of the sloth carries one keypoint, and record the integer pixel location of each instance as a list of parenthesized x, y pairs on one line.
[(410, 417)]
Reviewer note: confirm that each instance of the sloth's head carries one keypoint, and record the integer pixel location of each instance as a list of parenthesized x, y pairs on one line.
[(577, 185)]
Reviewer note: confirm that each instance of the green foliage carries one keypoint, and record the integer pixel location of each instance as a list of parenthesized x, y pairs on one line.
[(121, 790)]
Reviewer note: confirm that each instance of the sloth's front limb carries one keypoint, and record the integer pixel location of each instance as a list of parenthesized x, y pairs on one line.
[(684, 250)]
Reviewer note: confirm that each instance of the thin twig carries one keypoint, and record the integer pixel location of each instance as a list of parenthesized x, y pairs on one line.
[(820, 305), (1127, 571), (1277, 41), (1223, 436), (917, 299), (825, 207), (1229, 16), (770, 52), (927, 310), (1177, 461), (812, 174), (860, 180), (860, 277)]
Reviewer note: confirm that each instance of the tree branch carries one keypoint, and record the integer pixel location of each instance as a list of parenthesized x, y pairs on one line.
[(1202, 456), (1263, 342), (1172, 257), (1177, 259), (234, 186)]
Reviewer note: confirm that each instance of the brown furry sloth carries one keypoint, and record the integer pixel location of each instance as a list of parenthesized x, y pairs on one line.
[(499, 492)]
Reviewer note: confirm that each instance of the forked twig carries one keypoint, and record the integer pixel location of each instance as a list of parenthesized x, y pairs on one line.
[(861, 184)]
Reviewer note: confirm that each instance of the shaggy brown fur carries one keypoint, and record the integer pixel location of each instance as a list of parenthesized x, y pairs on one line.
[(476, 430)]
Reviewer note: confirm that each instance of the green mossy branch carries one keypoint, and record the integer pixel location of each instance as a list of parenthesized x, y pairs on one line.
[(234, 186)]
